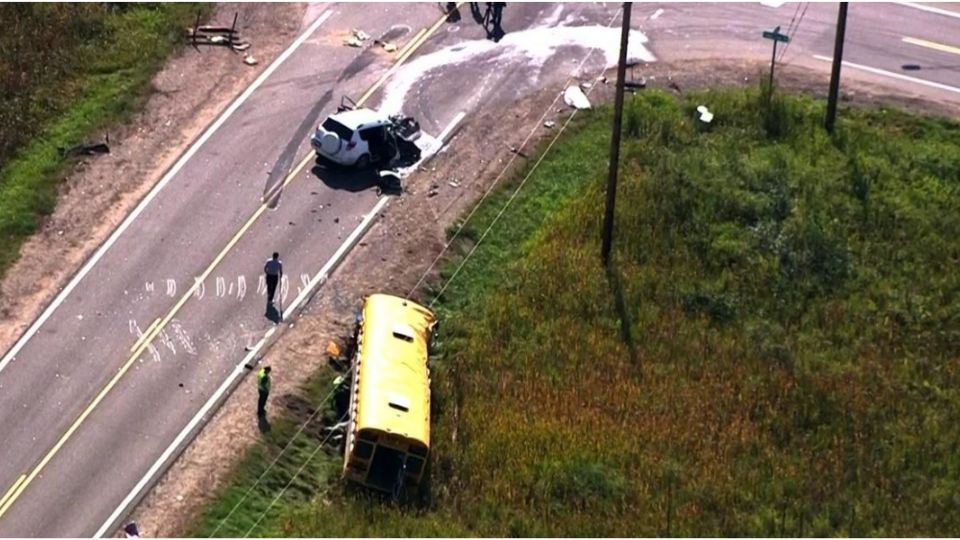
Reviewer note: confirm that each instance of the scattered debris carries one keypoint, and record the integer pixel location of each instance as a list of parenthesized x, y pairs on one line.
[(87, 149), (675, 87), (517, 151), (387, 46), (635, 84), (574, 97), (356, 38), (390, 183), (454, 183), (226, 36), (131, 531), (249, 60), (705, 115), (549, 123)]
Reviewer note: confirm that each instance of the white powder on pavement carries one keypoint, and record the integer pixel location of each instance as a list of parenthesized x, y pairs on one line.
[(533, 47)]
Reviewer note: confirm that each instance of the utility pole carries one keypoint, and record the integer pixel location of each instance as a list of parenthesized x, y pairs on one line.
[(615, 139), (835, 72)]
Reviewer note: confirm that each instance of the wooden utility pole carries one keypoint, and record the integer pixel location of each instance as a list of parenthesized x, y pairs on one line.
[(615, 139), (835, 72)]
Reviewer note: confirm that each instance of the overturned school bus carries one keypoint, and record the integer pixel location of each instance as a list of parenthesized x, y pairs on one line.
[(388, 437)]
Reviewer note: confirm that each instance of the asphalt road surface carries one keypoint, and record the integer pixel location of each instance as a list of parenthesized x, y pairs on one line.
[(96, 392)]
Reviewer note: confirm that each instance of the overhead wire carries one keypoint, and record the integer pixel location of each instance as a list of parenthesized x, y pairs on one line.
[(294, 477), (506, 167), (276, 459), (793, 32)]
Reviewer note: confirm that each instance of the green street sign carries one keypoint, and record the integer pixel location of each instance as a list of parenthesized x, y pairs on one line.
[(776, 35)]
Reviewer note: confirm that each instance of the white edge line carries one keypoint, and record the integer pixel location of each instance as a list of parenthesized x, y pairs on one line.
[(878, 71), (11, 354), (319, 278), (237, 371), (930, 9)]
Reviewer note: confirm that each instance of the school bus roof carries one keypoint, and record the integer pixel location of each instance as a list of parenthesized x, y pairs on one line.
[(393, 378)]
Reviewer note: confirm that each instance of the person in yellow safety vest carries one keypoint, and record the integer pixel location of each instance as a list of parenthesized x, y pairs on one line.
[(263, 389)]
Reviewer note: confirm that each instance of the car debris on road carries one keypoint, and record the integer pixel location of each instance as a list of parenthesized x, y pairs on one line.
[(574, 97)]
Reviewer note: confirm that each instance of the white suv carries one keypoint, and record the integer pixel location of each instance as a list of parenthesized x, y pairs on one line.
[(360, 137)]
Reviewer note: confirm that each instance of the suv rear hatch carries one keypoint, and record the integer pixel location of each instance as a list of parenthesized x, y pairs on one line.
[(330, 136)]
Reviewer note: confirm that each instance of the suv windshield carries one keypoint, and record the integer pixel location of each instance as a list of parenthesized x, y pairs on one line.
[(341, 130)]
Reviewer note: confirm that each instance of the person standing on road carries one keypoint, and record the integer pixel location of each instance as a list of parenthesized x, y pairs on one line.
[(263, 389), (274, 271)]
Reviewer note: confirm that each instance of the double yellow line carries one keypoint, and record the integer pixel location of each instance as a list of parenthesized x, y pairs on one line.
[(158, 325), (418, 39)]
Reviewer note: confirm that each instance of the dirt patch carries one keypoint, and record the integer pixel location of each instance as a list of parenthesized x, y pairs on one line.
[(191, 90), (398, 250)]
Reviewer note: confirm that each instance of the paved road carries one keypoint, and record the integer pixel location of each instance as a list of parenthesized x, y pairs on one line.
[(75, 462), (881, 38)]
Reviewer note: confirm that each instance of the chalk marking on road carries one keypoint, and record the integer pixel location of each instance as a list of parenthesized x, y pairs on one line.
[(893, 75), (13, 488), (932, 45), (144, 334), (12, 353), (929, 9), (73, 427), (241, 288), (401, 59), (150, 335), (318, 279), (224, 387)]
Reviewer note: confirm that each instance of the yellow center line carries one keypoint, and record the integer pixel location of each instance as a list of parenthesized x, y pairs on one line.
[(411, 42), (932, 45), (12, 489), (416, 44), (144, 334), (156, 327)]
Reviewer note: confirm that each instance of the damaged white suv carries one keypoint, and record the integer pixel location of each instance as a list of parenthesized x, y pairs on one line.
[(361, 137)]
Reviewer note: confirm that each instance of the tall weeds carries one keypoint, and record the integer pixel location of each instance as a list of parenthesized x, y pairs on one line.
[(793, 301)]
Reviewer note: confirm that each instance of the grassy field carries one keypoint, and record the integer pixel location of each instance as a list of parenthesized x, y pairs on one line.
[(66, 72), (774, 353)]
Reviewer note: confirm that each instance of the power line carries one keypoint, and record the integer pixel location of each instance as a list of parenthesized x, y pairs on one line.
[(506, 167), (274, 462), (295, 475), (795, 29), (507, 204), (794, 18)]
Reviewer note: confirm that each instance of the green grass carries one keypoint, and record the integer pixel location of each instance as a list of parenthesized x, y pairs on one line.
[(96, 72), (774, 354)]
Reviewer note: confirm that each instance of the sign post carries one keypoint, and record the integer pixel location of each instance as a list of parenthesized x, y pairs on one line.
[(777, 37)]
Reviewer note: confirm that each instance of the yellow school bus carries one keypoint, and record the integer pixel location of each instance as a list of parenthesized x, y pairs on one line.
[(388, 437)]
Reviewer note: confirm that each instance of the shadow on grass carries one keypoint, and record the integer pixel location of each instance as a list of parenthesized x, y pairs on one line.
[(626, 324)]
